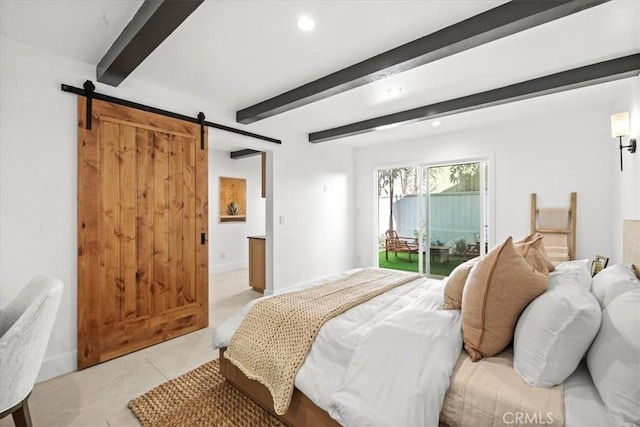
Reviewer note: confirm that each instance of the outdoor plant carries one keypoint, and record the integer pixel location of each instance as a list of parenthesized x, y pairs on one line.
[(416, 235), (460, 246), (435, 241)]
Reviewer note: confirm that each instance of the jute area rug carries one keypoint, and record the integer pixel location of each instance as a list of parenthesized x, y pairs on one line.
[(200, 398)]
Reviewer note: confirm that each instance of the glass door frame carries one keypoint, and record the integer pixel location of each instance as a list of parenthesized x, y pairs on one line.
[(487, 207), (376, 210), (487, 216)]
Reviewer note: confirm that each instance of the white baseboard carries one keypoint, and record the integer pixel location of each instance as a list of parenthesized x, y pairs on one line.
[(58, 365), (223, 268)]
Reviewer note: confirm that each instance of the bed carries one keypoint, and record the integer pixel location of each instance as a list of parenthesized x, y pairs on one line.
[(487, 392)]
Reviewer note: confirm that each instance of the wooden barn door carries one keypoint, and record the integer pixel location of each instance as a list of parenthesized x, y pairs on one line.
[(142, 228)]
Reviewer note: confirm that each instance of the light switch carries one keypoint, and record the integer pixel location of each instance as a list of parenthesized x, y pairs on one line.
[(281, 219)]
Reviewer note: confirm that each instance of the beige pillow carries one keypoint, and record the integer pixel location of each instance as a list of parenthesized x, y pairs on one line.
[(497, 290), (455, 284), (532, 253), (525, 239), (540, 254)]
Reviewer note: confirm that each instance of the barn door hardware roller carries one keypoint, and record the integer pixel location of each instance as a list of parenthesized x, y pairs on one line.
[(201, 120), (89, 88)]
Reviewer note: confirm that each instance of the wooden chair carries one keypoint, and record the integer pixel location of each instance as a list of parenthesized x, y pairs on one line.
[(396, 244)]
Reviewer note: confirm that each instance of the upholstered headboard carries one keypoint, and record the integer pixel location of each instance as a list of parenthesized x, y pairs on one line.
[(631, 243)]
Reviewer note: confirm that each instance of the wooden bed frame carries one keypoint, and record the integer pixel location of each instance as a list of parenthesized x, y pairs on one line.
[(302, 411)]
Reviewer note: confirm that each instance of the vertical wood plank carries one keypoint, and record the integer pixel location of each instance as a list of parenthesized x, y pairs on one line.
[(160, 222), (176, 294), (202, 225), (533, 212), (89, 244), (144, 221), (110, 230), (128, 212), (189, 220)]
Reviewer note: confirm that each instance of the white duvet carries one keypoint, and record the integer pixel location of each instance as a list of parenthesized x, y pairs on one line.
[(386, 362)]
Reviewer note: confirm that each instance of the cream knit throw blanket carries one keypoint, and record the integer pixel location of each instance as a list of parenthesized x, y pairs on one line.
[(273, 340)]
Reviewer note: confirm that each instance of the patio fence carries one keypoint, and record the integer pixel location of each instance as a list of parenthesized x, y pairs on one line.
[(453, 215)]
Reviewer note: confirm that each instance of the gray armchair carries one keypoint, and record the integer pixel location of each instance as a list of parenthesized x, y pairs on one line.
[(25, 327)]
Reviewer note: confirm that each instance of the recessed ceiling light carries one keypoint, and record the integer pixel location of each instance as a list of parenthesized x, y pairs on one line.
[(305, 23), (435, 123), (394, 91)]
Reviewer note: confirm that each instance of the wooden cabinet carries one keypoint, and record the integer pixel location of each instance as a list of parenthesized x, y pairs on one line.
[(257, 263)]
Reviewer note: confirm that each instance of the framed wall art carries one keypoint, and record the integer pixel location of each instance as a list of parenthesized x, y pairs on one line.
[(233, 199), (598, 264)]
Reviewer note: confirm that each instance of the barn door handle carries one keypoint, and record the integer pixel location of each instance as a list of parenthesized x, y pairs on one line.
[(203, 239)]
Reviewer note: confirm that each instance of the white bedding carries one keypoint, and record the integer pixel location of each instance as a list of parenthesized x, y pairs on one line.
[(396, 374), (583, 405), (365, 380)]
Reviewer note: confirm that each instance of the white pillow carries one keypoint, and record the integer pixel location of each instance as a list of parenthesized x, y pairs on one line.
[(553, 334), (614, 357), (613, 281), (572, 273)]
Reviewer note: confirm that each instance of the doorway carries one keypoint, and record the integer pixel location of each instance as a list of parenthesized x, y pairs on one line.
[(431, 218)]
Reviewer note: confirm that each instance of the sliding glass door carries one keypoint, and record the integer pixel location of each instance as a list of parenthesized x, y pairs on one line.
[(432, 218), (454, 208), (398, 218)]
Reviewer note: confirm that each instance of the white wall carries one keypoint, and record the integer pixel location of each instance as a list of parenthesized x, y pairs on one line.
[(626, 185), (317, 235), (550, 155), (38, 180), (228, 246)]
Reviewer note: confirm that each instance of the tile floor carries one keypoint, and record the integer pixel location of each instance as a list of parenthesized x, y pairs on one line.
[(98, 396)]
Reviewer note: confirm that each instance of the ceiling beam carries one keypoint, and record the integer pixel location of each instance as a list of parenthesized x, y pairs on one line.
[(241, 154), (151, 25), (614, 69), (504, 20)]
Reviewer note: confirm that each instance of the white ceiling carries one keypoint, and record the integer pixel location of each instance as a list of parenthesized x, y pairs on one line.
[(242, 52)]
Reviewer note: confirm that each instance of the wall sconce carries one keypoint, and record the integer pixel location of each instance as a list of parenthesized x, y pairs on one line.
[(620, 128)]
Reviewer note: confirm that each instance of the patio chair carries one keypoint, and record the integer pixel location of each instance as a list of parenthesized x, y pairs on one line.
[(396, 244)]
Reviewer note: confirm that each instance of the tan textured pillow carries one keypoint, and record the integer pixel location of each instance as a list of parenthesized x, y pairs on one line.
[(541, 253), (497, 290), (527, 238), (532, 253), (455, 284)]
